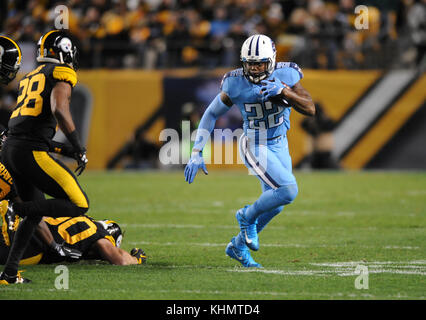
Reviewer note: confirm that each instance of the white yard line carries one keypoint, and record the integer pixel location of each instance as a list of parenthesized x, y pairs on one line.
[(344, 269), (238, 293), (200, 226), (266, 245)]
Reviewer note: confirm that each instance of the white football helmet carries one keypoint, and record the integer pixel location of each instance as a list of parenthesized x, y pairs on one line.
[(258, 48)]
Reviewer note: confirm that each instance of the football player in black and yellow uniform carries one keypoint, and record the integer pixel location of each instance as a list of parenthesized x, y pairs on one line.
[(42, 105), (99, 240), (10, 59)]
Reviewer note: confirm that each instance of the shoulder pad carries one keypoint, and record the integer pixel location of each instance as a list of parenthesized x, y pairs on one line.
[(65, 73), (293, 65), (233, 73)]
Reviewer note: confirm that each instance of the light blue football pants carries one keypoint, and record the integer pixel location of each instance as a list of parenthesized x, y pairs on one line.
[(271, 163)]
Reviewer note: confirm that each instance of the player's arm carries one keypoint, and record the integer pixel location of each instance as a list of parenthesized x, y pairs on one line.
[(218, 107), (60, 105), (299, 98), (46, 236), (114, 255)]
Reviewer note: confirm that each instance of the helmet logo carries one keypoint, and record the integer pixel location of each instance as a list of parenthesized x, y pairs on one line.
[(17, 63), (65, 45), (118, 241)]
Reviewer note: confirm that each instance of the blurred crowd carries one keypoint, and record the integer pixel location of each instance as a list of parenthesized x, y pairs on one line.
[(208, 33)]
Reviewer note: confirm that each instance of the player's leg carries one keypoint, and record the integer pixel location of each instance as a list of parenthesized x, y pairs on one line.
[(281, 187), (30, 169), (26, 227), (20, 252), (266, 217), (52, 177), (285, 160)]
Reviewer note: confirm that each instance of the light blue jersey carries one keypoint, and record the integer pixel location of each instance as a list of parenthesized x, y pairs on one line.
[(259, 115)]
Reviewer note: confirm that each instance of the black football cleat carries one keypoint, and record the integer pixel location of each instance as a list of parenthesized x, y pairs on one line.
[(18, 279)]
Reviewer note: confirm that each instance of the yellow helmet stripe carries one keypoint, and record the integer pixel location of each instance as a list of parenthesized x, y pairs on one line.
[(42, 42), (17, 47)]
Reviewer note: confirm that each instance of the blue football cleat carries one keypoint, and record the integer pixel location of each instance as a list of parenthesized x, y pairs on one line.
[(249, 231), (241, 255)]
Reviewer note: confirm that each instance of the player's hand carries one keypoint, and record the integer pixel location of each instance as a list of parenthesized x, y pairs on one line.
[(65, 252), (81, 158), (195, 162), (139, 254), (272, 88)]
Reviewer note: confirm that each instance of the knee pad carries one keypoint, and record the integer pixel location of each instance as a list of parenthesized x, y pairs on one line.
[(286, 194)]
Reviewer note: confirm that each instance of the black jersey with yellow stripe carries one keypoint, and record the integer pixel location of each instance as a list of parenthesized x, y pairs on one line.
[(75, 232), (32, 118)]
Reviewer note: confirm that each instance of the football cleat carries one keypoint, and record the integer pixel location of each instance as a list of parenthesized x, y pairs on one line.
[(18, 279), (248, 230), (241, 255)]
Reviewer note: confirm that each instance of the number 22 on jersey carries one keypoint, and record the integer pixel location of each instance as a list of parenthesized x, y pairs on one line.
[(257, 114), (30, 101)]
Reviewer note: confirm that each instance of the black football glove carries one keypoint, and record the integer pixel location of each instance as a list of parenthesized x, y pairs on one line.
[(81, 158), (65, 252), (138, 254)]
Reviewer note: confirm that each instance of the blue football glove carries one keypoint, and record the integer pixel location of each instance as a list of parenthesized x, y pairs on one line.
[(271, 89), (195, 162)]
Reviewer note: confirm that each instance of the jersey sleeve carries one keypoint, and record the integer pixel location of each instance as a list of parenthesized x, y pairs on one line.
[(65, 73), (224, 85), (231, 83), (289, 72)]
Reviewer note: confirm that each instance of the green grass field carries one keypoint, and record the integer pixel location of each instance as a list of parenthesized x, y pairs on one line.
[(310, 251)]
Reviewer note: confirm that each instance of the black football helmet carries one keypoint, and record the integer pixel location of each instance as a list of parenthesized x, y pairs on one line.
[(57, 46), (114, 230), (10, 59)]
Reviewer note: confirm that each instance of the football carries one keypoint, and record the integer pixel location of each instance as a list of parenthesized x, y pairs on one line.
[(279, 101)]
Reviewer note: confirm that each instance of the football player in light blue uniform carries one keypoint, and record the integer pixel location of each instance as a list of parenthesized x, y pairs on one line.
[(265, 92)]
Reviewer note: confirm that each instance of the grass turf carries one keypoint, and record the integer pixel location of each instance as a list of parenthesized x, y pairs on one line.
[(310, 251)]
